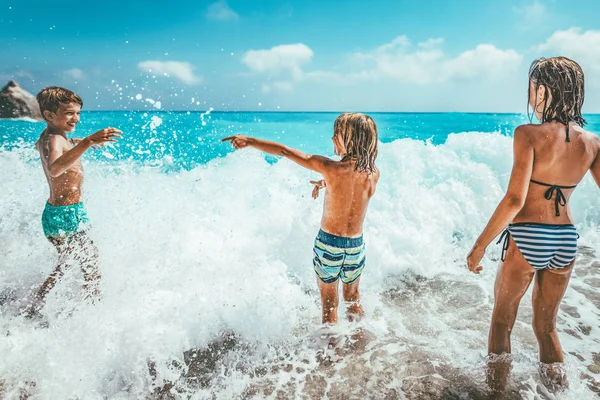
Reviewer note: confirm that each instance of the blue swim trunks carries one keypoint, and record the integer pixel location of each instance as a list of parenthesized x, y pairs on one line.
[(338, 257), (62, 221)]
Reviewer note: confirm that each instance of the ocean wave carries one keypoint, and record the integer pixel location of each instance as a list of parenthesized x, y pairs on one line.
[(217, 260), (23, 119)]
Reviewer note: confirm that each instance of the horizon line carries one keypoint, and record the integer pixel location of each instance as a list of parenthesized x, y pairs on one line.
[(319, 112)]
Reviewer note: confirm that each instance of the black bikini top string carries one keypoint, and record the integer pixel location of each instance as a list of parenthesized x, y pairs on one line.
[(560, 196), (568, 138)]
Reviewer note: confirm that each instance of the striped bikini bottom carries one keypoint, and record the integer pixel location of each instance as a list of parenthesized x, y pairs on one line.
[(543, 246)]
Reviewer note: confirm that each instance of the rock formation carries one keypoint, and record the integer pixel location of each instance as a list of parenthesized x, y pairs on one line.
[(15, 102)]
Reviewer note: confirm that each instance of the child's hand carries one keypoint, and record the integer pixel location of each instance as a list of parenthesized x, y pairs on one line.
[(104, 136), (237, 141), (318, 186)]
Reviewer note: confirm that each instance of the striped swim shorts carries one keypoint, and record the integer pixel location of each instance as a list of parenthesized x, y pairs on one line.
[(338, 257)]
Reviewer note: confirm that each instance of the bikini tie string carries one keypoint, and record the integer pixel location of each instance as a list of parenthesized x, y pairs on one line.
[(559, 200), (505, 236)]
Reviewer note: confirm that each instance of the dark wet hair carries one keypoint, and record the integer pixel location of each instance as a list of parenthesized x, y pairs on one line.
[(358, 133), (563, 78), (51, 97)]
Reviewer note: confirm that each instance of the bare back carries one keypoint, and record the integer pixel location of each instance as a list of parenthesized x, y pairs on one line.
[(557, 162), (65, 189), (347, 195)]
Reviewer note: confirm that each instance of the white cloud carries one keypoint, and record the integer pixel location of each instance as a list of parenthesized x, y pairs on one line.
[(431, 43), (532, 13), (399, 42), (427, 63), (397, 61), (284, 61), (220, 11), (75, 73), (181, 70), (583, 47), (279, 59), (485, 59)]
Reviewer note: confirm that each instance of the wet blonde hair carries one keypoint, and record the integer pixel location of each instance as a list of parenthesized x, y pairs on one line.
[(358, 133), (51, 97), (563, 77)]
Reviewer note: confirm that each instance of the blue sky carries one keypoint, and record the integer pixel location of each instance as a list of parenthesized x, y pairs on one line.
[(442, 55)]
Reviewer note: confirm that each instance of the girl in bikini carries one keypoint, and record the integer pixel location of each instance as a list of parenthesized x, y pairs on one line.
[(539, 239)]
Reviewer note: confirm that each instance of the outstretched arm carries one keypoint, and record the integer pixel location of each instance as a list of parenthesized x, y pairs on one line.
[(59, 160), (312, 162), (511, 203)]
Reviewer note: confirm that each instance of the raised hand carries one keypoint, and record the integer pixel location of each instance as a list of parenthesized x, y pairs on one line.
[(104, 136), (237, 141), (318, 186)]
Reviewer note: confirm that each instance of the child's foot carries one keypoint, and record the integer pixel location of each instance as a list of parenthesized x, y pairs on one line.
[(498, 371), (34, 305), (31, 311), (355, 312), (34, 315), (554, 376)]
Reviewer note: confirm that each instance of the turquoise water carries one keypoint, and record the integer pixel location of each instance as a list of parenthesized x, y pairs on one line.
[(208, 252), (182, 138)]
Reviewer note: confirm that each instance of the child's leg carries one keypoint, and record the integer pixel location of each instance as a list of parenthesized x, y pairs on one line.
[(39, 299), (50, 282), (78, 249), (86, 255), (352, 296), (329, 301)]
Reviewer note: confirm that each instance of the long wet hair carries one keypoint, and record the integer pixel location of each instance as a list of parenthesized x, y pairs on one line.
[(358, 133), (563, 78)]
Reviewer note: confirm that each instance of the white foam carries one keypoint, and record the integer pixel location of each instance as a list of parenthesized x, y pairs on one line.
[(155, 122), (24, 119), (204, 114), (227, 247)]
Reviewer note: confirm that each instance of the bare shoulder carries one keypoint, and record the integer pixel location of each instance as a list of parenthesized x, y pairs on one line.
[(57, 139), (525, 134), (42, 142), (591, 141), (589, 136), (527, 129), (57, 142), (323, 160), (376, 174)]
